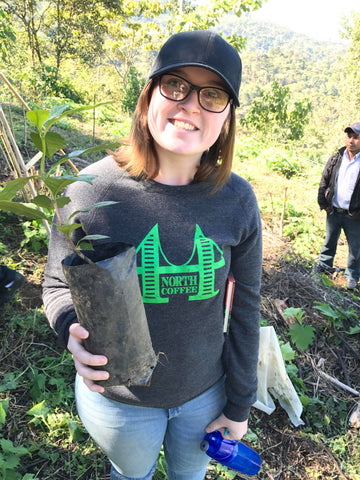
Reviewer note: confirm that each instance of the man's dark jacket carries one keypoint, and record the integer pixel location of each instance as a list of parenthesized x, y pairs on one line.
[(328, 183)]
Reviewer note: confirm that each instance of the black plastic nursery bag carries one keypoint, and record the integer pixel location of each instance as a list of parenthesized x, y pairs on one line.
[(108, 303)]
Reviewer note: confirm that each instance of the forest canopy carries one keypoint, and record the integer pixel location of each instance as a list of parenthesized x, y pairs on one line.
[(101, 50)]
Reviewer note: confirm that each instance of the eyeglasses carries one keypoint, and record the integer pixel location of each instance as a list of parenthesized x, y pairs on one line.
[(212, 99)]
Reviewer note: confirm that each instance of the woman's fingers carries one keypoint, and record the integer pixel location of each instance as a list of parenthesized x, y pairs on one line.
[(84, 360)]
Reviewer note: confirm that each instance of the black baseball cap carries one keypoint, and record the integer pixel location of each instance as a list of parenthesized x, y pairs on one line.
[(201, 48), (355, 128)]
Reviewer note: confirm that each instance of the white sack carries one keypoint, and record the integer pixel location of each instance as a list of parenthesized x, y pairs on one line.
[(273, 381)]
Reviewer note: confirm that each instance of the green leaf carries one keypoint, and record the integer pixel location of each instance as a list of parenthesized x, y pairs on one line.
[(11, 188), (78, 153), (57, 111), (44, 202), (57, 184), (327, 310), (94, 237), (76, 433), (38, 117), (91, 207), (37, 384), (294, 312), (354, 330), (302, 335), (8, 447), (2, 415), (62, 201), (98, 148), (326, 281), (98, 205), (68, 111), (292, 371), (84, 246), (11, 462), (54, 142), (9, 382), (67, 229), (80, 178), (39, 410), (287, 352), (35, 137), (26, 210)]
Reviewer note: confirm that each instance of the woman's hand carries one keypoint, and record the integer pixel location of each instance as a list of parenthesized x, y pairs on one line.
[(236, 430), (84, 360)]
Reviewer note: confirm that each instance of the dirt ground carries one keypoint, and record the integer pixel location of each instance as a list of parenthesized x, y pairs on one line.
[(287, 453), (284, 446)]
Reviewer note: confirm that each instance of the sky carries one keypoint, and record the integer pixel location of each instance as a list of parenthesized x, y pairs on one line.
[(319, 19)]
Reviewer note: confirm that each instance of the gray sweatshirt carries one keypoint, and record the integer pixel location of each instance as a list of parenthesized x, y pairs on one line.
[(198, 237)]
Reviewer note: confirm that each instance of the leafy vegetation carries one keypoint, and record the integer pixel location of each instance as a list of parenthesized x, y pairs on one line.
[(270, 114), (36, 389), (50, 198)]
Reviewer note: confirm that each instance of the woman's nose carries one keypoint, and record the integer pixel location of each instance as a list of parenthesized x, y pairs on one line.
[(191, 102)]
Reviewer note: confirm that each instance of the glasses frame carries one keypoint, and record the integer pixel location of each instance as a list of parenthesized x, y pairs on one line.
[(193, 87)]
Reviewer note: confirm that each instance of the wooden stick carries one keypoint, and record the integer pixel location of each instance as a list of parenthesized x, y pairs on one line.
[(18, 96), (283, 212), (337, 382), (18, 161)]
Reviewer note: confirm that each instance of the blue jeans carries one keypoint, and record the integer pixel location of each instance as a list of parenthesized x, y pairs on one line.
[(335, 222), (132, 436)]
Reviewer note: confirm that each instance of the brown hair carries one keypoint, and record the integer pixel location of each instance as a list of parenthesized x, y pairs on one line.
[(138, 154)]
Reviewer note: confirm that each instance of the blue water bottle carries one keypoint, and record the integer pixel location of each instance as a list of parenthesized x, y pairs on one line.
[(232, 454)]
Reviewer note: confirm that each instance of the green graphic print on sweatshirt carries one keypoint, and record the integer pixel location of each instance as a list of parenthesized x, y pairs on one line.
[(160, 279)]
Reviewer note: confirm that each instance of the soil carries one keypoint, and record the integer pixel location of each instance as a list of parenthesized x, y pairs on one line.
[(286, 452)]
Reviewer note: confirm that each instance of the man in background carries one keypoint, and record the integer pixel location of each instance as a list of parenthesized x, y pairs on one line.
[(339, 196), (10, 282)]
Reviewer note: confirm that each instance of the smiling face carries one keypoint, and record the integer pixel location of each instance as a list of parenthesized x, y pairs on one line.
[(184, 128)]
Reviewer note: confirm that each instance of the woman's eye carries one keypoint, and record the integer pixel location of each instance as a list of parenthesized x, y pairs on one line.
[(175, 83), (211, 94)]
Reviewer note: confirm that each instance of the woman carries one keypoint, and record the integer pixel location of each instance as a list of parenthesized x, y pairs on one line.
[(174, 188)]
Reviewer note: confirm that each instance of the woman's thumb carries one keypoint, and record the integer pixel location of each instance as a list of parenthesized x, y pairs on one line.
[(215, 425)]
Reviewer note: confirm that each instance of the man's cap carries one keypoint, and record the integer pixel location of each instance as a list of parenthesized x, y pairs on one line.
[(201, 48), (355, 128)]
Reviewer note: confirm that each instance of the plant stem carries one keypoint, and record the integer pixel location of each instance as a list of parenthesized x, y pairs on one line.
[(77, 251)]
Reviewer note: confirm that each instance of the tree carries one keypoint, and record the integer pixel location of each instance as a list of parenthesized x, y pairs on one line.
[(209, 14), (7, 36), (58, 28), (129, 36), (31, 15), (270, 114), (351, 82), (111, 35), (134, 85)]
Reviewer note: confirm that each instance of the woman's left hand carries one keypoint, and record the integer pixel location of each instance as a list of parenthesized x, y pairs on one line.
[(236, 430)]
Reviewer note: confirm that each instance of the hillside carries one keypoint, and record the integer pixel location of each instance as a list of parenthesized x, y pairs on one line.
[(265, 36), (41, 436), (310, 68)]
